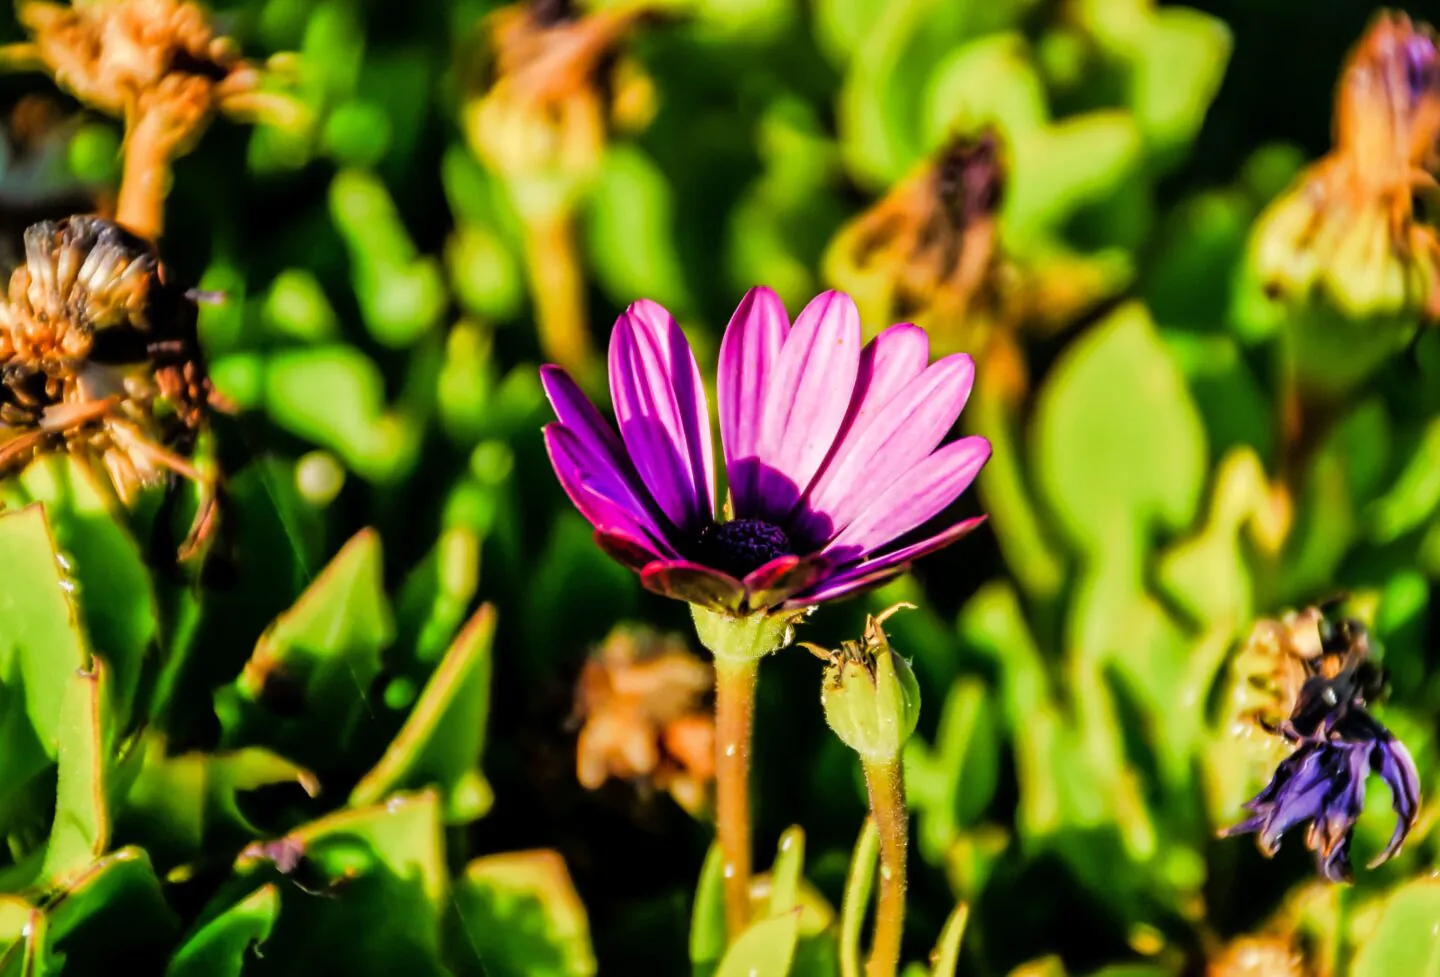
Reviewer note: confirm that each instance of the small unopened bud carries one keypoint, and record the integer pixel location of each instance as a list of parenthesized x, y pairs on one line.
[(869, 693)]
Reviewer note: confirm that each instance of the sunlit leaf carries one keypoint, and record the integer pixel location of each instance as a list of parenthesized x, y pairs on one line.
[(224, 946), (766, 949), (1406, 939), (82, 809)]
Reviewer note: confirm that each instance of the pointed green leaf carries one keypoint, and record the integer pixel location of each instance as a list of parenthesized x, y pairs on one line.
[(179, 807), (113, 910), (444, 737), (766, 949), (41, 645), (1406, 939), (29, 954), (946, 956), (82, 813), (858, 885), (435, 595), (224, 945), (785, 874), (519, 915), (15, 916), (707, 920), (325, 652), (112, 585)]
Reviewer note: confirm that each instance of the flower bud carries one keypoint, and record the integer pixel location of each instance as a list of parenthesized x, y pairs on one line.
[(870, 695)]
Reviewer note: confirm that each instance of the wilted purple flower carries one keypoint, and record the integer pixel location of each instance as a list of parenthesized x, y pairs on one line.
[(832, 454), (1339, 745)]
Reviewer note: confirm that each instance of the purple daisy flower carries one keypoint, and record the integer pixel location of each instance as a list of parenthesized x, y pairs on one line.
[(833, 453)]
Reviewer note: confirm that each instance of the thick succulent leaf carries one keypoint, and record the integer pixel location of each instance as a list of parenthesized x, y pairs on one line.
[(518, 915), (112, 585), (113, 910), (224, 946), (766, 949), (362, 890), (81, 832), (435, 596), (946, 956), (181, 807), (443, 739), (316, 661), (1405, 939)]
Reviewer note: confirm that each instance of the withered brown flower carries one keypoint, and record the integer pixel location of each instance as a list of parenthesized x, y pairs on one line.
[(1257, 956), (553, 83), (928, 251), (641, 702), (99, 356)]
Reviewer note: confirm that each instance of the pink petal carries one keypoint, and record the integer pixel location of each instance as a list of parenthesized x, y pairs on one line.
[(664, 418), (888, 442), (806, 401), (777, 580), (694, 584), (881, 569), (603, 495), (914, 498), (625, 550), (748, 354)]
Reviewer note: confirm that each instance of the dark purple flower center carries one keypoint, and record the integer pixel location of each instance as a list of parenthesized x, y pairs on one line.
[(741, 545)]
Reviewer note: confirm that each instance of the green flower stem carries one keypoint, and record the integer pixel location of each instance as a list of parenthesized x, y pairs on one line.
[(738, 644), (858, 883), (734, 720), (886, 782)]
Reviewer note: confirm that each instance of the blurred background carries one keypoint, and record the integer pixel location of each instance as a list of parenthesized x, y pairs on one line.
[(1199, 421)]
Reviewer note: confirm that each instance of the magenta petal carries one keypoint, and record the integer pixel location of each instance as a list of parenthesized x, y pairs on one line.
[(748, 354), (664, 418), (806, 400), (882, 569), (845, 585), (626, 550), (886, 445), (776, 581), (694, 584), (917, 496), (603, 495)]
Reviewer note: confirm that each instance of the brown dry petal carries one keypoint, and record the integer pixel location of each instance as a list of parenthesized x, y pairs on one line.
[(1271, 666), (641, 702), (1257, 957), (110, 54)]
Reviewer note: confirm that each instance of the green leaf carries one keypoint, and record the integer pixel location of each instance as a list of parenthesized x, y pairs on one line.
[(325, 651), (707, 920), (786, 873), (435, 595), (114, 910), (631, 231), (766, 949), (113, 591), (384, 868), (1415, 494), (946, 955), (443, 739), (951, 784), (987, 81), (1406, 939), (1116, 398), (27, 954), (41, 646), (1175, 75), (180, 807), (521, 917), (858, 884), (82, 812), (222, 947)]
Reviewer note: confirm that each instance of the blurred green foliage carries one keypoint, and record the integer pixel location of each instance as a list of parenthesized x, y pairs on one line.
[(343, 755)]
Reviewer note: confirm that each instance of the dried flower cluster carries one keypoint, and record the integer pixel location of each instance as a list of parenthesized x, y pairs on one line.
[(642, 702), (99, 356)]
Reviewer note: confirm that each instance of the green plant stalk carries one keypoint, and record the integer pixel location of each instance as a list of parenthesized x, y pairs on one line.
[(557, 287), (858, 883), (885, 780), (734, 723)]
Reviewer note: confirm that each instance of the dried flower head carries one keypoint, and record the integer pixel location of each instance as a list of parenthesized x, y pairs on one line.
[(554, 85), (641, 702), (1347, 229), (928, 251), (1337, 745), (99, 356), (1257, 956)]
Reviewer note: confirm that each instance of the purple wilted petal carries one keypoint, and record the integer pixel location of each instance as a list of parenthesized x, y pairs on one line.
[(908, 503), (882, 569), (663, 415), (694, 584), (748, 354), (883, 451), (601, 493), (1392, 761), (806, 400)]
